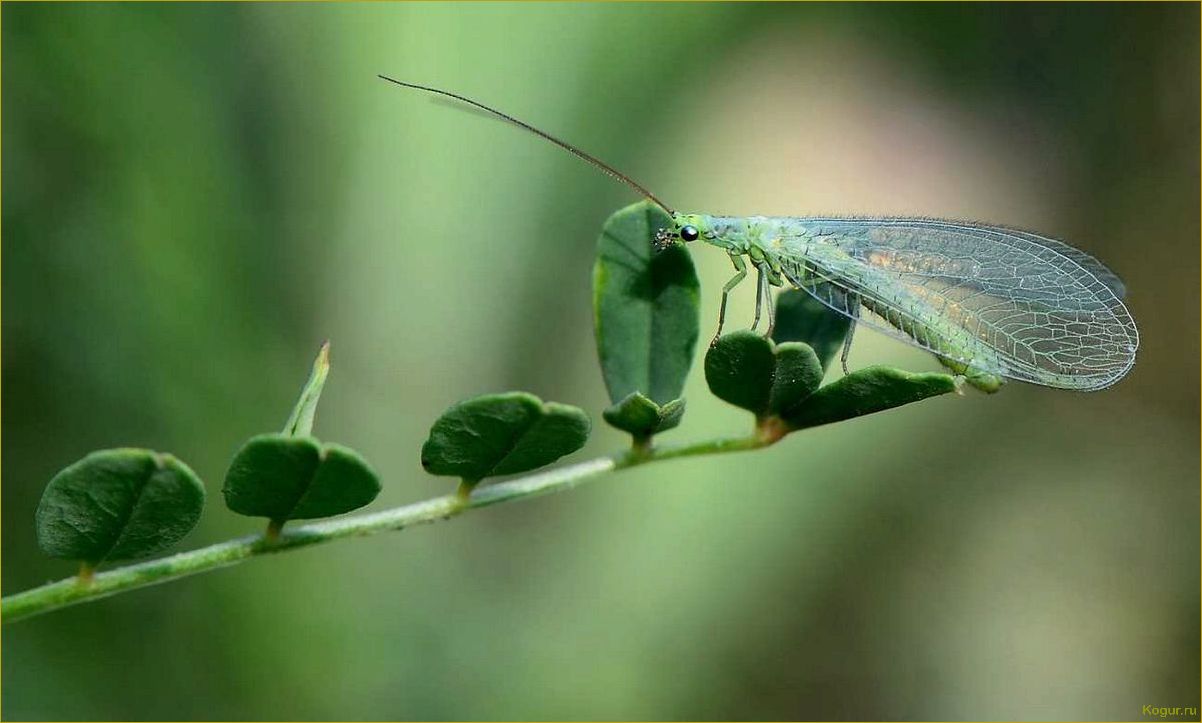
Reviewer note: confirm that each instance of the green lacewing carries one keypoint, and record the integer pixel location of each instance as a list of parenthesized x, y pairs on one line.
[(989, 302)]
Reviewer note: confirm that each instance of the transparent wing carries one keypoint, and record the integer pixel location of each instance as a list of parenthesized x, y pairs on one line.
[(1087, 262), (1004, 301)]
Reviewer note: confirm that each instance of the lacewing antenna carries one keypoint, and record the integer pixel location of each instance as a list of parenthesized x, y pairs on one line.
[(594, 161)]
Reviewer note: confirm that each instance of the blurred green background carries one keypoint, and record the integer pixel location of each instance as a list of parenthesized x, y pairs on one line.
[(196, 195)]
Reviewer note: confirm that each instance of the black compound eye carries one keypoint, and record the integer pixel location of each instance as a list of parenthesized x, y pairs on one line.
[(689, 233)]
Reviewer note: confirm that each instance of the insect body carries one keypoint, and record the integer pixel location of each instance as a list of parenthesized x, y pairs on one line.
[(989, 302)]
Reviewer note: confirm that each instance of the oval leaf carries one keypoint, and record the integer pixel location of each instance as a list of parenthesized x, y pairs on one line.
[(283, 478), (502, 434), (642, 417), (645, 306), (749, 371), (801, 317), (869, 390), (118, 504)]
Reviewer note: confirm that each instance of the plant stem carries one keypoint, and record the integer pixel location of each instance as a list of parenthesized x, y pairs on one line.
[(55, 595)]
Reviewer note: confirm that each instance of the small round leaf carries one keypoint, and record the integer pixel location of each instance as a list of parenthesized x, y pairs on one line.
[(296, 478), (502, 434), (801, 317), (750, 372), (118, 504), (641, 417)]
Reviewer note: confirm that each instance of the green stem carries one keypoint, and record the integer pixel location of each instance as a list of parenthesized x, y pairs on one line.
[(60, 594), (464, 491)]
